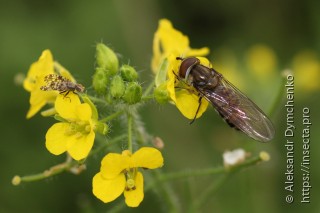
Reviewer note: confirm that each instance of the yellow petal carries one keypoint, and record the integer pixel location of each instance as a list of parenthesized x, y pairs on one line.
[(42, 67), (135, 197), (79, 147), (188, 103), (38, 99), (147, 157), (168, 40), (113, 164), (56, 139), (63, 71), (35, 79), (66, 106), (108, 190), (198, 52), (84, 112)]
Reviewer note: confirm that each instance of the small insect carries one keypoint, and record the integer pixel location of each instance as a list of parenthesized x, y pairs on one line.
[(61, 84), (232, 105)]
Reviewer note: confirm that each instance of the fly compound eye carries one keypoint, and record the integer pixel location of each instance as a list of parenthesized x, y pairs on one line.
[(186, 65)]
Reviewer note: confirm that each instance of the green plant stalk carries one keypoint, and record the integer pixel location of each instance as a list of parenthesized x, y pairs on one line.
[(277, 100), (204, 172), (97, 100), (149, 89), (109, 143), (165, 190), (147, 98), (112, 116), (66, 166), (57, 169), (210, 190), (130, 122)]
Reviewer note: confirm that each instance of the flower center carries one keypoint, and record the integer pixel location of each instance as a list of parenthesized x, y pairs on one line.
[(130, 176), (78, 127)]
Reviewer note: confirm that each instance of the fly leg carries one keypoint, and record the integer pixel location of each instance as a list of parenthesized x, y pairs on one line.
[(195, 116), (65, 95)]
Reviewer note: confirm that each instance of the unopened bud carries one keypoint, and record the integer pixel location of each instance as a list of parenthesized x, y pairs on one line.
[(128, 73), (264, 156), (161, 94), (16, 180), (100, 81), (117, 87), (102, 128), (106, 59), (133, 93)]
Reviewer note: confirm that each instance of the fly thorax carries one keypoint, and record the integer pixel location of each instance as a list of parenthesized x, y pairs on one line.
[(213, 82), (70, 85)]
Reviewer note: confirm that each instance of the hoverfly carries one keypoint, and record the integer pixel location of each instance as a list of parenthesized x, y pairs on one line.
[(232, 105), (61, 84)]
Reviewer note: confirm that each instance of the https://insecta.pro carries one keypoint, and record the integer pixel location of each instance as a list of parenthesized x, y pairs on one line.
[(61, 84), (233, 106)]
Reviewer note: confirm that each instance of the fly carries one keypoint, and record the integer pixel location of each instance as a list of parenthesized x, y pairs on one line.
[(232, 105), (61, 84)]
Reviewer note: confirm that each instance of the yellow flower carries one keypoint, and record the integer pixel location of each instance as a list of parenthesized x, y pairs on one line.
[(306, 68), (35, 79), (169, 43), (75, 134), (262, 60), (119, 174)]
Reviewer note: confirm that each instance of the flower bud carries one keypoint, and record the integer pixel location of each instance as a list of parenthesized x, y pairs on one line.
[(16, 180), (106, 59), (128, 73), (161, 94), (100, 81), (102, 128), (133, 93), (117, 87)]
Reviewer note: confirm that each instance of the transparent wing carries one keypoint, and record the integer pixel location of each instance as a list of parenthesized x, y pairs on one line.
[(239, 111)]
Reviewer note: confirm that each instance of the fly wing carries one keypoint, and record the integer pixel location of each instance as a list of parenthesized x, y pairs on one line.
[(239, 111)]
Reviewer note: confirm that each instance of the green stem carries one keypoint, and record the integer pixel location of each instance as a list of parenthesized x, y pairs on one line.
[(165, 190), (66, 166), (205, 172), (97, 100), (147, 97), (278, 98), (109, 143), (112, 116), (210, 190), (149, 89), (130, 121), (57, 169)]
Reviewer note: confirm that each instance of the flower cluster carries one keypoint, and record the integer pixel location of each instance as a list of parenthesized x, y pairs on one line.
[(116, 84), (75, 133), (78, 121)]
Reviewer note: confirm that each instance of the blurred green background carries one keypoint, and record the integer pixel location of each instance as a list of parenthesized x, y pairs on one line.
[(289, 32)]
